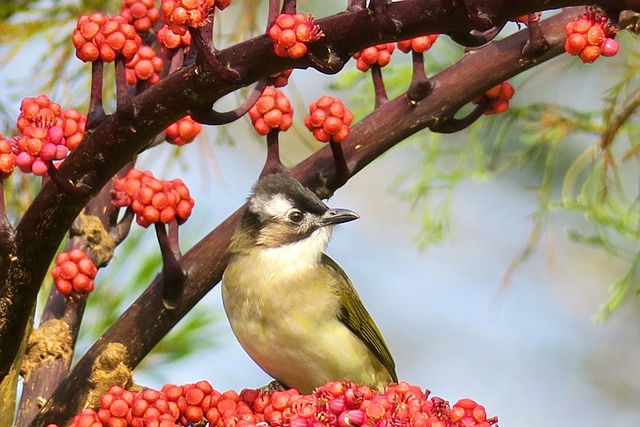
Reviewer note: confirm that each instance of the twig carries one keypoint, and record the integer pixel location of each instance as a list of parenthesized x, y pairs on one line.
[(274, 11), (378, 86), (96, 110), (536, 45), (174, 277), (342, 170), (121, 230), (289, 6), (420, 85), (205, 56), (122, 87), (272, 164), (212, 117), (476, 39), (451, 124)]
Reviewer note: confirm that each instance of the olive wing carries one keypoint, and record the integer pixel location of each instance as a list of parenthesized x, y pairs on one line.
[(358, 320)]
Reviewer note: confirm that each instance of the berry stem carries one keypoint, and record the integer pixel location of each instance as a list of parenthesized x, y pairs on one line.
[(96, 111), (174, 277), (213, 117), (342, 170), (274, 11), (122, 87), (536, 45), (378, 86), (420, 85), (208, 58), (7, 232), (273, 163), (289, 7), (452, 124), (65, 184), (476, 39), (121, 230), (206, 33), (177, 59)]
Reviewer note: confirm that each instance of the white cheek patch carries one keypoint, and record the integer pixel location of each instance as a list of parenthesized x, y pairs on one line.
[(275, 206)]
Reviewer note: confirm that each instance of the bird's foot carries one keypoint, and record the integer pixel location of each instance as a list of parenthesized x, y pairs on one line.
[(274, 385)]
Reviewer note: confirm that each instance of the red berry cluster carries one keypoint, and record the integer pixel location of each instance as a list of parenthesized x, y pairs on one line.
[(142, 14), (171, 39), (74, 272), (183, 131), (272, 111), (74, 126), (45, 129), (151, 199), (418, 44), (499, 97), (7, 158), (335, 404), (99, 37), (328, 119), (379, 54), (590, 36), (291, 33), (146, 65)]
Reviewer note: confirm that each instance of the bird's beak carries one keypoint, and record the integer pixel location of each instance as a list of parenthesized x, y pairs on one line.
[(338, 216)]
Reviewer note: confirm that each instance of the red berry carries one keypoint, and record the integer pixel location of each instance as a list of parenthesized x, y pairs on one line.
[(610, 47)]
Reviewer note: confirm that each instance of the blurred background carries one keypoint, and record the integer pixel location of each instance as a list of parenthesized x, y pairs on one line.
[(444, 220)]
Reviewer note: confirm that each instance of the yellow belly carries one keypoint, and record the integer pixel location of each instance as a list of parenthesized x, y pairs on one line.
[(289, 325)]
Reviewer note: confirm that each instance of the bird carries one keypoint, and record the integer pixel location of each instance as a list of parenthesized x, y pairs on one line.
[(291, 307)]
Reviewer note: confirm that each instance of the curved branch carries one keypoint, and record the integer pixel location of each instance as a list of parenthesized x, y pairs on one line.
[(213, 117), (370, 138), (475, 39), (452, 125)]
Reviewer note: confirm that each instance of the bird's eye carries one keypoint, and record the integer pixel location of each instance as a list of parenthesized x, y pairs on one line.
[(295, 216)]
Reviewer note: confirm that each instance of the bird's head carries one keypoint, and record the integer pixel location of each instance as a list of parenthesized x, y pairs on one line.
[(281, 212)]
